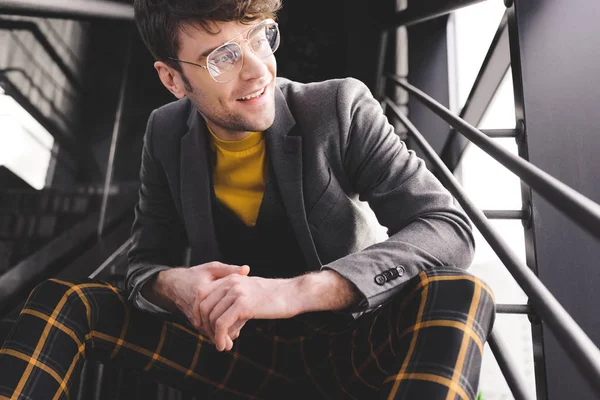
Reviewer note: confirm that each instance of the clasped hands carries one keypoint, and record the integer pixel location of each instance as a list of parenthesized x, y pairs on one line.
[(218, 299)]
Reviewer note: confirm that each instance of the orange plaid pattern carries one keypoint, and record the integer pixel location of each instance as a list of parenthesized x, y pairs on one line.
[(427, 343)]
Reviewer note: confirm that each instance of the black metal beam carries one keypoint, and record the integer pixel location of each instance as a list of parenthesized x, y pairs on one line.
[(490, 75), (576, 206), (500, 133), (507, 366), (505, 214), (574, 340), (380, 78), (513, 309), (68, 9), (420, 11)]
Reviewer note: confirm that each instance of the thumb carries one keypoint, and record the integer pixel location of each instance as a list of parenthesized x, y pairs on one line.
[(223, 270), (244, 270)]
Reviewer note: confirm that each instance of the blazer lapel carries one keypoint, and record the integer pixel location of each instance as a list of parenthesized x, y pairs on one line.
[(285, 151), (196, 192)]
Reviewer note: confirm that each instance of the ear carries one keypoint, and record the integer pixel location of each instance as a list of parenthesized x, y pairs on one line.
[(170, 79)]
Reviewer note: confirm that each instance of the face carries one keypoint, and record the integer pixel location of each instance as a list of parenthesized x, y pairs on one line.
[(228, 111)]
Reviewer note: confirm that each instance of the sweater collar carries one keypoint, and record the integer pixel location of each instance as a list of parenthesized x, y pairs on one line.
[(246, 143)]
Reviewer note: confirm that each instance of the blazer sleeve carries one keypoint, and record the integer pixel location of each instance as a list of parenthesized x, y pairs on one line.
[(426, 228), (158, 232)]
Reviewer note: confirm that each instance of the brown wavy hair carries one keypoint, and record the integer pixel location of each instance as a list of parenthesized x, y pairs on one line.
[(159, 21)]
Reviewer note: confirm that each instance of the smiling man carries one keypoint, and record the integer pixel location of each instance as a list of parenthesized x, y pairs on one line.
[(289, 294)]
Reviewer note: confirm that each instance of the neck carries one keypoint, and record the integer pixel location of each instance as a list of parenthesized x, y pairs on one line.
[(226, 134)]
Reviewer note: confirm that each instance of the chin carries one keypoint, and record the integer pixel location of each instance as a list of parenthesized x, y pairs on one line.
[(264, 123)]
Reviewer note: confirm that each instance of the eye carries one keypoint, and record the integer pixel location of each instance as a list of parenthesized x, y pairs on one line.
[(224, 58)]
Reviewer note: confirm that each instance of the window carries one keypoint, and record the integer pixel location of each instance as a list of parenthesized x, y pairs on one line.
[(493, 187), (25, 146)]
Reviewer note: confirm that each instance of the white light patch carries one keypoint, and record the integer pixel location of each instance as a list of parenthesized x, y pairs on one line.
[(25, 145)]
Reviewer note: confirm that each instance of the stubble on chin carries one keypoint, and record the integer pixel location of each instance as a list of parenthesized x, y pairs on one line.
[(236, 122)]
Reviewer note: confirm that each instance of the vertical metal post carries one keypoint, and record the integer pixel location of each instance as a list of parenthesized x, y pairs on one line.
[(114, 139), (379, 78), (526, 193), (556, 94)]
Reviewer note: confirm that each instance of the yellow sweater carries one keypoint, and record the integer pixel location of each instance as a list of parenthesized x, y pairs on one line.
[(239, 174)]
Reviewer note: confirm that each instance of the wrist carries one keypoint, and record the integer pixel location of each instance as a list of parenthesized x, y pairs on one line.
[(325, 291), (160, 289)]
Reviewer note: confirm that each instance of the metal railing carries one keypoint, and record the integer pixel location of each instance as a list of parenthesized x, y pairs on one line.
[(574, 205), (70, 9)]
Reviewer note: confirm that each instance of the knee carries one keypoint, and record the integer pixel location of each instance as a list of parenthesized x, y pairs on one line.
[(55, 296), (457, 292), (48, 293)]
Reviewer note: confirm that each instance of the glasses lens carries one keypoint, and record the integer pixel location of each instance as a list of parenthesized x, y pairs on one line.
[(225, 62), (264, 39)]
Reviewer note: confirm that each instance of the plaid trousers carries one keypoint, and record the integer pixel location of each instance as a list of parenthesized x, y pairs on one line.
[(425, 344)]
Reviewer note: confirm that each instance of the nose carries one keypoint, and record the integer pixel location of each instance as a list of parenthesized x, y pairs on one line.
[(254, 67)]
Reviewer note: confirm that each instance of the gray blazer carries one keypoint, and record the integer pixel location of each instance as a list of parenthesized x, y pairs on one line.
[(331, 148)]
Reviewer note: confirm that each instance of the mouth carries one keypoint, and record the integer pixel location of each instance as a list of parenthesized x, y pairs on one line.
[(254, 95)]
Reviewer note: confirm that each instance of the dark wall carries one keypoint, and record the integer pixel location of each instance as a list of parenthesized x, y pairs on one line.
[(428, 70), (144, 93), (116, 51), (559, 104), (332, 39)]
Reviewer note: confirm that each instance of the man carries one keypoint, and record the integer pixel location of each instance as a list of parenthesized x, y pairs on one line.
[(289, 294)]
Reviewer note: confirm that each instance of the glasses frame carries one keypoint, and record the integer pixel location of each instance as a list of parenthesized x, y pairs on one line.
[(230, 41)]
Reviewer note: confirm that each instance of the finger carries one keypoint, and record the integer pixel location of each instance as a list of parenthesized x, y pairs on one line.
[(219, 309), (220, 270), (234, 330), (209, 288), (225, 304), (207, 305), (235, 335), (229, 344), (229, 317), (195, 316)]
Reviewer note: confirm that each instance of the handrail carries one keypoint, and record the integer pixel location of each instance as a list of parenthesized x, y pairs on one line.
[(578, 345), (515, 383), (108, 262), (572, 203), (69, 9)]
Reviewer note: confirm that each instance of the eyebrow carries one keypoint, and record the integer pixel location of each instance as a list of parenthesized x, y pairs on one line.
[(205, 53)]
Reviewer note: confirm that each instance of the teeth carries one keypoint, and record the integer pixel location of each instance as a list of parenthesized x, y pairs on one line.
[(253, 95)]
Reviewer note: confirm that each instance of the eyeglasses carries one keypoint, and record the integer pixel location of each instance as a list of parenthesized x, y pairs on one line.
[(226, 61)]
